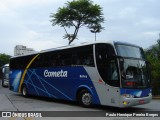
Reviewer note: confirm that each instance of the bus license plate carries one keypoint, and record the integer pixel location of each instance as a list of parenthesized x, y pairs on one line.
[(141, 101)]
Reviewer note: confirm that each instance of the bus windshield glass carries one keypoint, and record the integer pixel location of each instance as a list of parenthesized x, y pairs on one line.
[(6, 70), (130, 51), (133, 67)]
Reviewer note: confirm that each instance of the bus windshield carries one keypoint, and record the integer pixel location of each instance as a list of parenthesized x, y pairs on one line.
[(133, 67), (6, 72), (130, 51)]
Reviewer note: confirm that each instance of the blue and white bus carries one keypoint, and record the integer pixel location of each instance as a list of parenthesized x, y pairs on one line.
[(104, 73)]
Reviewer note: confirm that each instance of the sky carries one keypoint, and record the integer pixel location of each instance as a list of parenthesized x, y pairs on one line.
[(27, 22)]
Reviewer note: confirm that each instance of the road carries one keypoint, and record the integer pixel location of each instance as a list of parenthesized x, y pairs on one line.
[(11, 101)]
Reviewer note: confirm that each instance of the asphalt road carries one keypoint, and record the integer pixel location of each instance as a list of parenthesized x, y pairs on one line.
[(11, 101)]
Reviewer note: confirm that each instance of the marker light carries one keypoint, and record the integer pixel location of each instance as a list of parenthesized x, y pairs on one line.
[(125, 102)]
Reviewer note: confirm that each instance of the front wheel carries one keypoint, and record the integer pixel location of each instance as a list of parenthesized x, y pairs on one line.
[(85, 98), (3, 83)]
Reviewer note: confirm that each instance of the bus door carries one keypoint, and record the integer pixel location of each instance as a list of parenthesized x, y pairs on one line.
[(108, 70)]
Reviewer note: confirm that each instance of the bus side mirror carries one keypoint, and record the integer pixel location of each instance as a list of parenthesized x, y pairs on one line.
[(121, 61)]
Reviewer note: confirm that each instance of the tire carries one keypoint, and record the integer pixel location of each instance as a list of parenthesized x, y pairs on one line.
[(3, 84), (24, 91), (85, 98)]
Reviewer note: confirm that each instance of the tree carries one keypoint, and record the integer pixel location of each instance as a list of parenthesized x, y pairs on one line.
[(96, 29), (4, 59), (153, 56), (76, 14)]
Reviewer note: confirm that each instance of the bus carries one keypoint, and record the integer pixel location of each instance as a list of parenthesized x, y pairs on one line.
[(102, 73), (5, 75)]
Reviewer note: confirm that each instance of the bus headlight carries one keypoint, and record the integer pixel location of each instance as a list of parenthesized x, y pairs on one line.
[(128, 96)]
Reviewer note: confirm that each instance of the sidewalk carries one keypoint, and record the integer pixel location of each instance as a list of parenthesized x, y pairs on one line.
[(156, 97), (5, 104)]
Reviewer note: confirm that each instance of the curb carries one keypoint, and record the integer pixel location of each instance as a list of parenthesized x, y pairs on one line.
[(158, 97)]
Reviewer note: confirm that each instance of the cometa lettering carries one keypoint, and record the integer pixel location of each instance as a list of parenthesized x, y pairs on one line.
[(60, 73)]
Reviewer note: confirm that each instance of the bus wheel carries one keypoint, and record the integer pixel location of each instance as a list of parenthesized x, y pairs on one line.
[(2, 83), (85, 98), (24, 91)]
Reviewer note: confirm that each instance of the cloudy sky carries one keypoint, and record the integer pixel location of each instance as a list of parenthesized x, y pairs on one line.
[(27, 22)]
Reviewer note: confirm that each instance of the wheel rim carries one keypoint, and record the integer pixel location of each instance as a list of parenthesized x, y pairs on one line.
[(86, 99), (24, 91)]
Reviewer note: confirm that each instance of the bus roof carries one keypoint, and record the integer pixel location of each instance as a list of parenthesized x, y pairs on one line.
[(126, 43), (75, 45), (63, 47), (78, 45)]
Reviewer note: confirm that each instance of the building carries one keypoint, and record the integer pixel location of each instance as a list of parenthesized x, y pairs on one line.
[(22, 50)]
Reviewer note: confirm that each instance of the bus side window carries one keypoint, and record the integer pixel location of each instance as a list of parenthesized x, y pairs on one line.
[(67, 57), (101, 60), (76, 59), (88, 56), (107, 67)]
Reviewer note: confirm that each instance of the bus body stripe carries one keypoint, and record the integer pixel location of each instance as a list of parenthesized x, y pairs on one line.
[(25, 71)]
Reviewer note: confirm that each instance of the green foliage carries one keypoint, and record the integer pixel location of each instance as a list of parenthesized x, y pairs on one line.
[(76, 14), (4, 59), (153, 56)]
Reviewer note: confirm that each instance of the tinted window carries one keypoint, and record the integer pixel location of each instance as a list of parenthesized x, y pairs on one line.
[(83, 56), (67, 57), (107, 64), (129, 51), (20, 62)]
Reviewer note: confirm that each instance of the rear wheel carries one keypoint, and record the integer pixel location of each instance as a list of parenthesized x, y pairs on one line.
[(85, 98), (24, 91)]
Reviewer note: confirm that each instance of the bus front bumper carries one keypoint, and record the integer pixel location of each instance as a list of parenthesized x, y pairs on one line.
[(5, 82), (128, 102)]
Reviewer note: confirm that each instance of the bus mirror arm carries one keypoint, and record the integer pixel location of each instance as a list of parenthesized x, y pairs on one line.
[(119, 57), (116, 57)]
